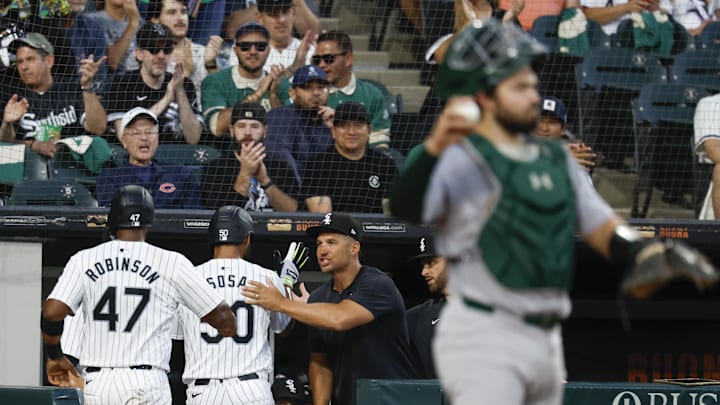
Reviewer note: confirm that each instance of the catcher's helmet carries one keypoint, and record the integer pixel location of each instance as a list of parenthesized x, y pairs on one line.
[(229, 224), (483, 54), (132, 206)]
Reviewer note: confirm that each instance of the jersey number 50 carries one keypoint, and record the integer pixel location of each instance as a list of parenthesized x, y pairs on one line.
[(250, 322)]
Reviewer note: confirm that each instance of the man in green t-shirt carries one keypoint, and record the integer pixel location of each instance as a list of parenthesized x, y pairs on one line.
[(334, 55), (244, 82)]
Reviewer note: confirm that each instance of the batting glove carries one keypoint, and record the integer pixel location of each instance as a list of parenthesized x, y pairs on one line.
[(296, 258)]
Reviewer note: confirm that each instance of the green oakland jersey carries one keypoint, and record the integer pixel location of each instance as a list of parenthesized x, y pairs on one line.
[(224, 89)]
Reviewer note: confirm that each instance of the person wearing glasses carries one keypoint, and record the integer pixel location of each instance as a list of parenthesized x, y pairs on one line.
[(334, 55), (246, 81), (171, 97), (170, 186)]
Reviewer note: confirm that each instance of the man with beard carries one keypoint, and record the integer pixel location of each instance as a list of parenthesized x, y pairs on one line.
[(196, 59), (245, 81), (422, 319), (171, 97), (300, 131), (507, 207), (245, 177)]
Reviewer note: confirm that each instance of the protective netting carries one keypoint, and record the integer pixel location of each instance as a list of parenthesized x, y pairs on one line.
[(630, 86)]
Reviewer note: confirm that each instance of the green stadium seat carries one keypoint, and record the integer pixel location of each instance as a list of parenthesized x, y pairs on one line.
[(697, 68), (663, 129), (41, 395), (185, 154), (57, 192)]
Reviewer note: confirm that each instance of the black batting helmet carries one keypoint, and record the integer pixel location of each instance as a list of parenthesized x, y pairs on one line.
[(229, 224), (131, 207)]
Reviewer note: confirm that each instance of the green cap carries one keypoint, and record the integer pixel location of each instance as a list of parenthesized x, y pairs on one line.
[(484, 53)]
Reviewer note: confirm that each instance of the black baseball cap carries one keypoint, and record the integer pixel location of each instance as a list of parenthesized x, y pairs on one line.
[(425, 248), (248, 111), (553, 107), (268, 5), (351, 112), (150, 34), (252, 27), (337, 222)]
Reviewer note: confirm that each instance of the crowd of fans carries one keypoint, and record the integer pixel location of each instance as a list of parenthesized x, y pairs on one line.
[(199, 66)]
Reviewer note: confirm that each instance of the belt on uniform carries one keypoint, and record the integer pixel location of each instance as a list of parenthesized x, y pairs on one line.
[(246, 377), (543, 321), (138, 367)]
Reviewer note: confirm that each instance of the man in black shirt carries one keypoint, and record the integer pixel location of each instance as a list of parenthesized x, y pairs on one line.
[(423, 318), (245, 176), (171, 97), (356, 320), (41, 110), (348, 176)]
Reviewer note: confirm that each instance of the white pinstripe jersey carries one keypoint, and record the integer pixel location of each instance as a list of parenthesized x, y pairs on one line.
[(208, 355), (130, 293)]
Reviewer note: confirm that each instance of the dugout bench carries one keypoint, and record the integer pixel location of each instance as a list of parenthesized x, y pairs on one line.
[(11, 395)]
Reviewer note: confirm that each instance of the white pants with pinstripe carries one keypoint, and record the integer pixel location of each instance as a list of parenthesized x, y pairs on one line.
[(231, 392), (123, 386)]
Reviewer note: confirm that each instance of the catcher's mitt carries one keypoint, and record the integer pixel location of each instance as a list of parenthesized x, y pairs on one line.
[(659, 262)]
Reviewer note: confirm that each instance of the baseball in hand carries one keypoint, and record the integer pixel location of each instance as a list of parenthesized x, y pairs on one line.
[(465, 107)]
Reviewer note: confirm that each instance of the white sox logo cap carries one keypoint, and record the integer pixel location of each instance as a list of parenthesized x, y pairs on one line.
[(337, 222)]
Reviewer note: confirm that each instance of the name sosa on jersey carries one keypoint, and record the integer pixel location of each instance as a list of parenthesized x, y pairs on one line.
[(221, 281), (121, 264)]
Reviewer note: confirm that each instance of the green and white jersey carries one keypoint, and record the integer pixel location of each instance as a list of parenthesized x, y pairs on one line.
[(223, 89)]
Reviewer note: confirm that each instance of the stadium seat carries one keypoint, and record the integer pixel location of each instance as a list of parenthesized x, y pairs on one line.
[(119, 154), (710, 36), (185, 154), (664, 126), (41, 395), (697, 68), (545, 30), (393, 102), (57, 192), (598, 37), (607, 80)]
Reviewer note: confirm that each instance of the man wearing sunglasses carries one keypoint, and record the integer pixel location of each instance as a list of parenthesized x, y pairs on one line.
[(245, 81), (169, 96), (334, 55)]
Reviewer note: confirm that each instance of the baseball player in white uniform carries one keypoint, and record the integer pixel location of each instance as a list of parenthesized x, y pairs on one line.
[(129, 291), (234, 370)]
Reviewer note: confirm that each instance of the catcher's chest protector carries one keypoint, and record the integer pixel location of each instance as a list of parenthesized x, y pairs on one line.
[(528, 239)]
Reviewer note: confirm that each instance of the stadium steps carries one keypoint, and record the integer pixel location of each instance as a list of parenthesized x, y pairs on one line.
[(355, 18), (616, 188)]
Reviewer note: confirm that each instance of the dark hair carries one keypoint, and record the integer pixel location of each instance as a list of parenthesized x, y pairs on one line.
[(341, 38), (154, 8)]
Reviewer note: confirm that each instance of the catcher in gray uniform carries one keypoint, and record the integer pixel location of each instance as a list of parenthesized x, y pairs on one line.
[(507, 207)]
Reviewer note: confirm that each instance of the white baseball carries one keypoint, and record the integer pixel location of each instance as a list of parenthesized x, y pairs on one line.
[(466, 108)]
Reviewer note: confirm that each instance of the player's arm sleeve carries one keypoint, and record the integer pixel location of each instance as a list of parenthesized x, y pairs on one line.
[(278, 321), (706, 124), (408, 193), (73, 333), (176, 331), (376, 294), (592, 210), (194, 292), (69, 286)]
